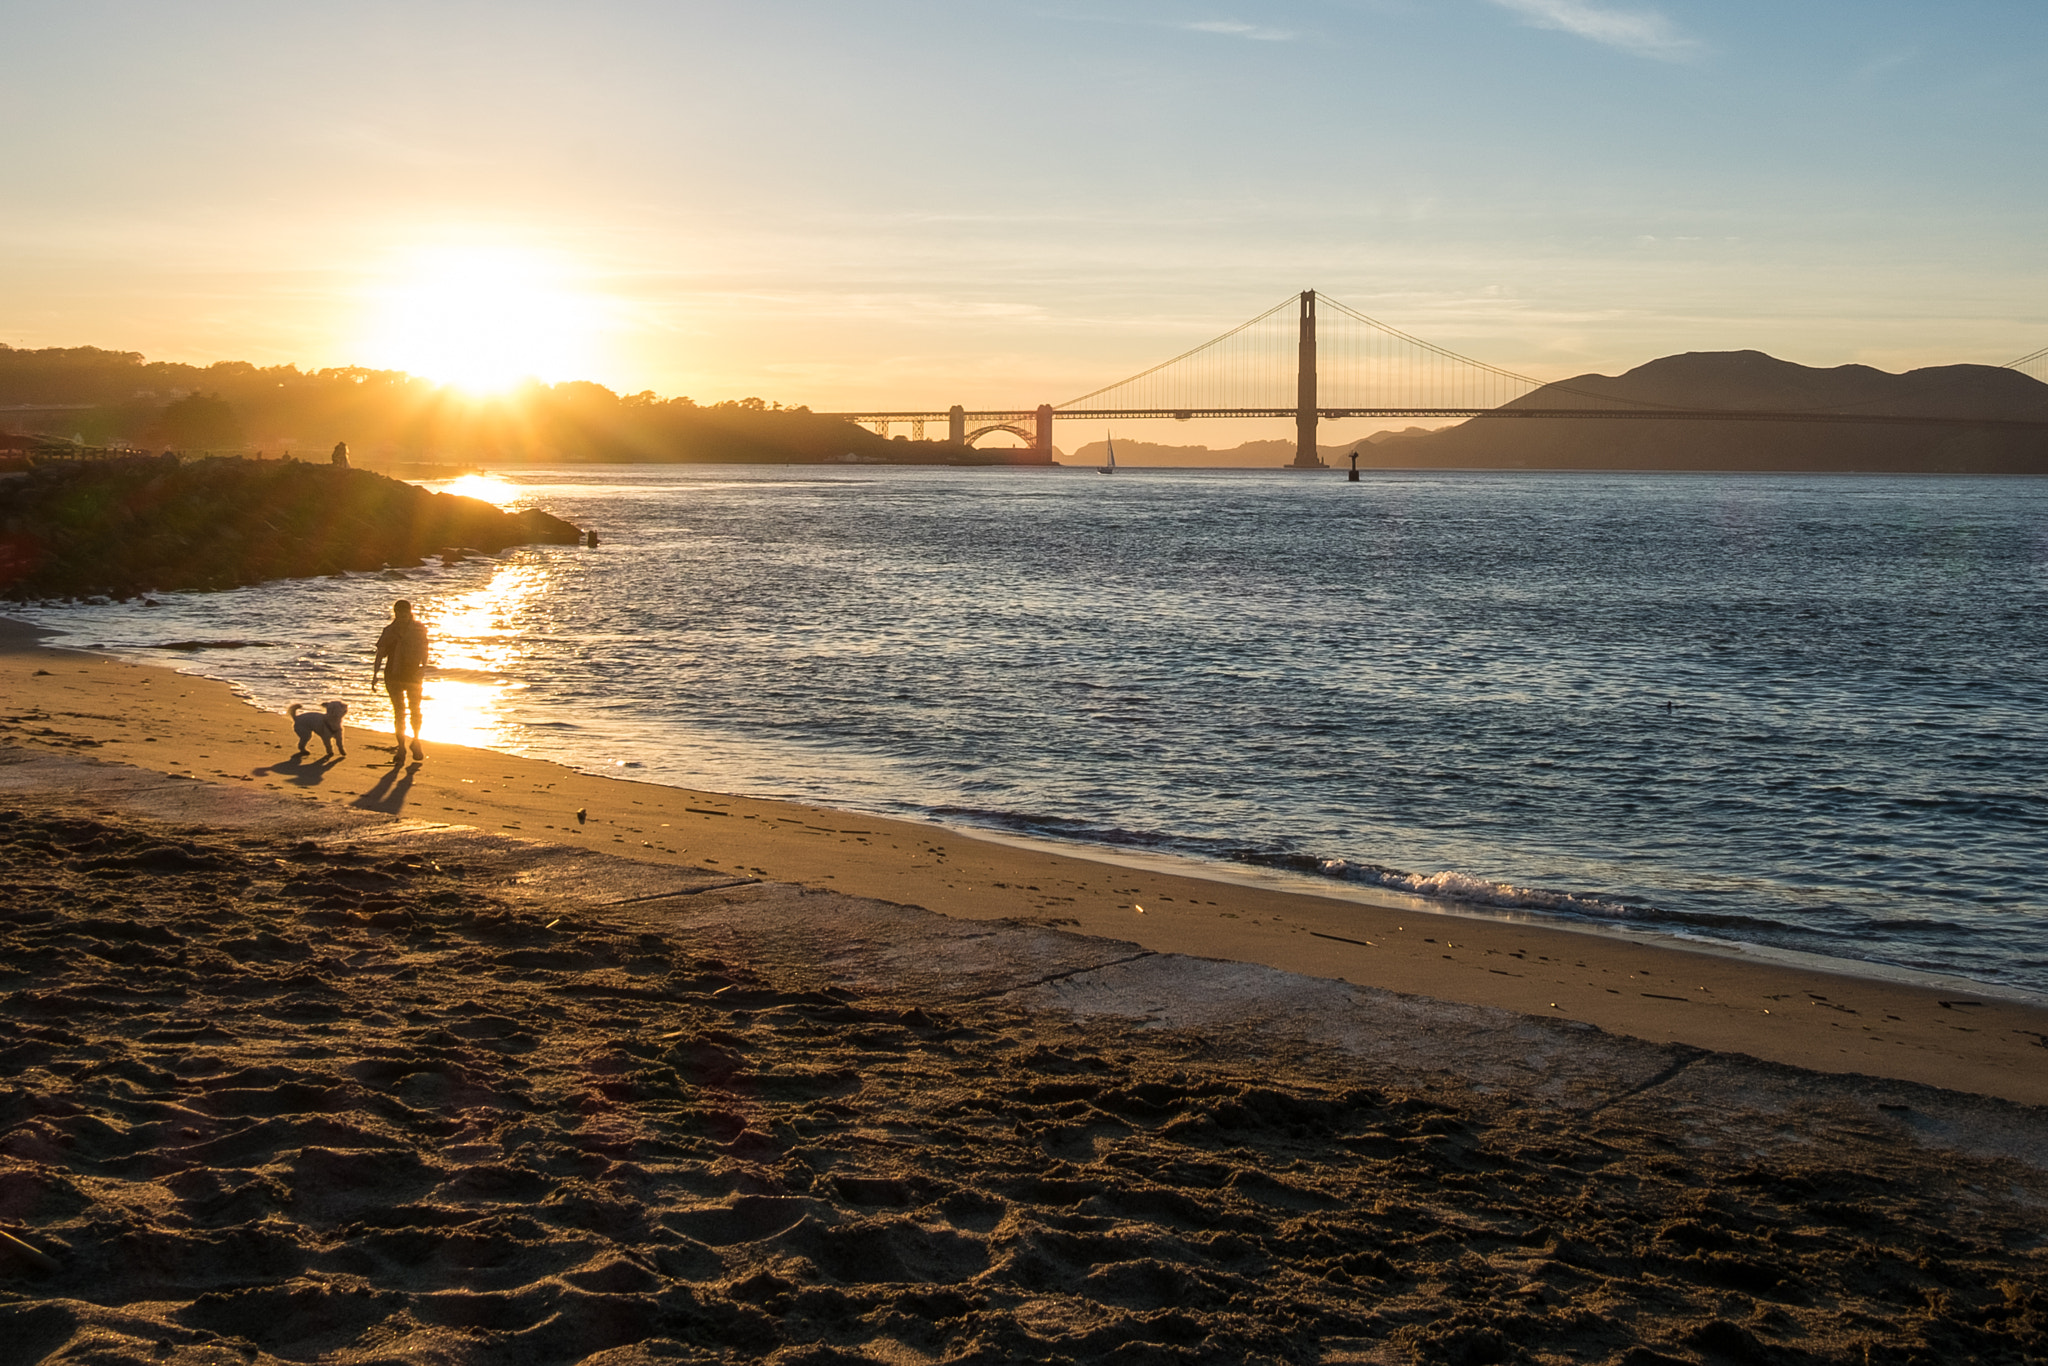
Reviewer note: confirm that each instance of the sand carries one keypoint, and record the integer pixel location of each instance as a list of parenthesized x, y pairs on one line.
[(1951, 1036), (311, 1063)]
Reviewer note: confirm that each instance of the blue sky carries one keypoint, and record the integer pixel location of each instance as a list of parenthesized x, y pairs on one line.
[(1011, 201)]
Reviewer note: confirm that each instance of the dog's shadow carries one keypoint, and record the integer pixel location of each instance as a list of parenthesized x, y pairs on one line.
[(389, 792), (300, 770)]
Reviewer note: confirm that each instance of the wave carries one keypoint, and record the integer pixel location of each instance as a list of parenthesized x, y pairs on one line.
[(1448, 885), (457, 674), (1469, 890), (1067, 828)]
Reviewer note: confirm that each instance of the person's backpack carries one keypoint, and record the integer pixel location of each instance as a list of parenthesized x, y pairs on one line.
[(409, 650)]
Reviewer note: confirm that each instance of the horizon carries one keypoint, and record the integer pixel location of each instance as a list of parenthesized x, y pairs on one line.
[(1195, 443)]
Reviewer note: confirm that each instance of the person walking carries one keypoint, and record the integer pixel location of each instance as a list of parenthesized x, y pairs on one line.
[(402, 658)]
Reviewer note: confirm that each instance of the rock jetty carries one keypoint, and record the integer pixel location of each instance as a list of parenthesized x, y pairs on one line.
[(123, 527)]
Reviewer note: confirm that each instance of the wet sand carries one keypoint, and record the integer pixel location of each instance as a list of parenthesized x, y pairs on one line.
[(1943, 1036), (300, 1066)]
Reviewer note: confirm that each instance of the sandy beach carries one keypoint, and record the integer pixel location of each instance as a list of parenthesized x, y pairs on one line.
[(360, 1063), (1941, 1036)]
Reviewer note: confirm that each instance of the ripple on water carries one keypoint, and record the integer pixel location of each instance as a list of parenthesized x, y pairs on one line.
[(1801, 711)]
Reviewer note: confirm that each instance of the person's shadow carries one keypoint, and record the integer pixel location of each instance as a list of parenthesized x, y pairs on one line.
[(301, 771), (388, 793)]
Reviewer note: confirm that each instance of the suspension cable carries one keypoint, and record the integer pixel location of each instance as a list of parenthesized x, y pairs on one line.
[(1418, 363), (1142, 374)]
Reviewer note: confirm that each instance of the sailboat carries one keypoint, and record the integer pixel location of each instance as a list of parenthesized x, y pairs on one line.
[(1110, 468)]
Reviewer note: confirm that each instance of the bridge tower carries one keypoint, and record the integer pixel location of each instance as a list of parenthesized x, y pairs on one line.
[(956, 425), (1305, 456), (1042, 442)]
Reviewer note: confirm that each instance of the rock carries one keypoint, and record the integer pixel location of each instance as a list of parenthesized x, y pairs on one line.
[(127, 526)]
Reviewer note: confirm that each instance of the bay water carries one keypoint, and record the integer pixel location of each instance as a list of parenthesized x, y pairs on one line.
[(1806, 713)]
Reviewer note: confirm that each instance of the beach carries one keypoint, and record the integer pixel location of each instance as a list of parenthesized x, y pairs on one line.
[(1950, 1035), (1571, 697), (486, 1059)]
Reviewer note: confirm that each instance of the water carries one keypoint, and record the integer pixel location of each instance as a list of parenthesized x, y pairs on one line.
[(1803, 712)]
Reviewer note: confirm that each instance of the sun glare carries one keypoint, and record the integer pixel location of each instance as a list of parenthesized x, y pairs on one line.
[(483, 320), (488, 487), (477, 645)]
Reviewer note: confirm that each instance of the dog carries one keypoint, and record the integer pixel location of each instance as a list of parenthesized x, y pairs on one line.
[(325, 723)]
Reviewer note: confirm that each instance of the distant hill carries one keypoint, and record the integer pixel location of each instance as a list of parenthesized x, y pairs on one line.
[(1252, 455), (1739, 380), (388, 417), (118, 398)]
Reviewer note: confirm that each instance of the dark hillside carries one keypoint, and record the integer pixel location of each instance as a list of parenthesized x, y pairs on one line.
[(1739, 380), (117, 397), (122, 527)]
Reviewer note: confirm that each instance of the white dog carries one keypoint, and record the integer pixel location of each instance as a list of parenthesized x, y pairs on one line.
[(325, 723)]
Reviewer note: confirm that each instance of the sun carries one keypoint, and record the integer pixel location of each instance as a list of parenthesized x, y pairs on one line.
[(483, 319)]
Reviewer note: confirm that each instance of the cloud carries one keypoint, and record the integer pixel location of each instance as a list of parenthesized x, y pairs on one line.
[(1646, 34), (1231, 28)]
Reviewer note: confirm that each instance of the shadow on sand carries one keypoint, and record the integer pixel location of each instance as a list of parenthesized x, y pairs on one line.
[(300, 771), (389, 792)]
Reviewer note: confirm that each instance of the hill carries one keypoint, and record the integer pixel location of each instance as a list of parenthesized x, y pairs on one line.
[(1248, 455), (1751, 380), (122, 527), (118, 398)]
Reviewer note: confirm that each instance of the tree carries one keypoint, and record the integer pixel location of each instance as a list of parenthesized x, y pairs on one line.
[(205, 422)]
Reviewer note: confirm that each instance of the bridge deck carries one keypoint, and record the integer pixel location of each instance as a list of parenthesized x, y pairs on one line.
[(1024, 415)]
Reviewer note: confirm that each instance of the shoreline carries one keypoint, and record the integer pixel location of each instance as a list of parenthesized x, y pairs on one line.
[(1254, 877), (1651, 802), (1657, 929), (1248, 874), (1827, 1019)]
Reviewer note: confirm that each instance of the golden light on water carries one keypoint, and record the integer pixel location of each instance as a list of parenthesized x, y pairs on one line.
[(483, 319), (475, 643), (476, 629), (465, 712), (487, 487)]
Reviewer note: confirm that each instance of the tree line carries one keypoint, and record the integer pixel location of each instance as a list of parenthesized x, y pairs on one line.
[(234, 405)]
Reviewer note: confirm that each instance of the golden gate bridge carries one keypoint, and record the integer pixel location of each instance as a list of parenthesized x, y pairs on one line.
[(1313, 359)]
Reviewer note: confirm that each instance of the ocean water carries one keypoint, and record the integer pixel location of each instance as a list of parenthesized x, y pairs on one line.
[(1808, 713)]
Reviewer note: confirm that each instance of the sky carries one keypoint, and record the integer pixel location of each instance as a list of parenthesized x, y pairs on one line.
[(912, 203)]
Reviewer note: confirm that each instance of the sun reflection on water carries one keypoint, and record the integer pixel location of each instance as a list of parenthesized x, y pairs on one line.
[(477, 641), (464, 712), (488, 488)]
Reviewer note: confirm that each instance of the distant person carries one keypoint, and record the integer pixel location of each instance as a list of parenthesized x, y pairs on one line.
[(340, 456), (402, 658)]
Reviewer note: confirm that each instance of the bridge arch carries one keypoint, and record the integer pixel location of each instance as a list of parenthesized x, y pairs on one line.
[(1029, 438)]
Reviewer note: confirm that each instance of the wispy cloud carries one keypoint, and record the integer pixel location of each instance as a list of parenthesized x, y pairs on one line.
[(1231, 28), (1644, 33)]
